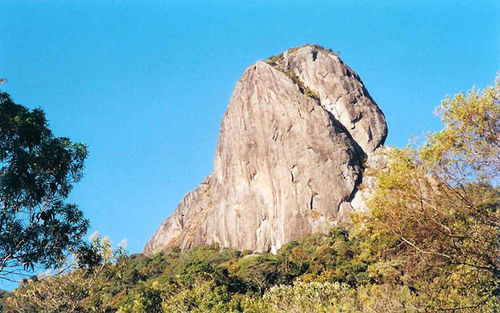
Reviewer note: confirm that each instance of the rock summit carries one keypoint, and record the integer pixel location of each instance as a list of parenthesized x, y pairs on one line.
[(289, 159)]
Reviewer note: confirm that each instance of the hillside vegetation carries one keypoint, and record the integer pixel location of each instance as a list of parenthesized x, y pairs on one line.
[(429, 242)]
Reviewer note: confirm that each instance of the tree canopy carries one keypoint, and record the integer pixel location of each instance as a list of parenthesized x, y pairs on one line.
[(37, 173), (436, 211)]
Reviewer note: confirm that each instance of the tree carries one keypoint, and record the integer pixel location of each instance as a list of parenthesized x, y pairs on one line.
[(436, 211), (37, 173), (78, 290)]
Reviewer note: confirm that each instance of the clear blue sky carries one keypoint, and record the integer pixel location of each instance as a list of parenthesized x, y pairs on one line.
[(145, 83)]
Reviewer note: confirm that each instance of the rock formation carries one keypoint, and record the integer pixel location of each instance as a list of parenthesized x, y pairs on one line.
[(289, 158)]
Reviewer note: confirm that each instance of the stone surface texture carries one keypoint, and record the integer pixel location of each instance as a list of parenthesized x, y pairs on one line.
[(289, 160)]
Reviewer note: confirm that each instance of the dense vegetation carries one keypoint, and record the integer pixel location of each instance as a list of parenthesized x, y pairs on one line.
[(429, 242), (322, 271)]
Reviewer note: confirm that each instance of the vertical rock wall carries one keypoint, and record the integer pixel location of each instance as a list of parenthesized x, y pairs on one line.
[(289, 157)]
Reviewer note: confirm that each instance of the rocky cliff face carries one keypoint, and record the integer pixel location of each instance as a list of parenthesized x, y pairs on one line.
[(289, 157)]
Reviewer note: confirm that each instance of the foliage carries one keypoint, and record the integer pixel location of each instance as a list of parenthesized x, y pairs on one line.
[(37, 173), (203, 279), (80, 290), (3, 295), (435, 215), (336, 297)]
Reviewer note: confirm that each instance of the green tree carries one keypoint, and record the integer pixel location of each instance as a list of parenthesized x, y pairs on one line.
[(37, 173), (436, 212)]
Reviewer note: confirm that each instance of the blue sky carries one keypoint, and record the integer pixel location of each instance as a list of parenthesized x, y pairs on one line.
[(145, 83)]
